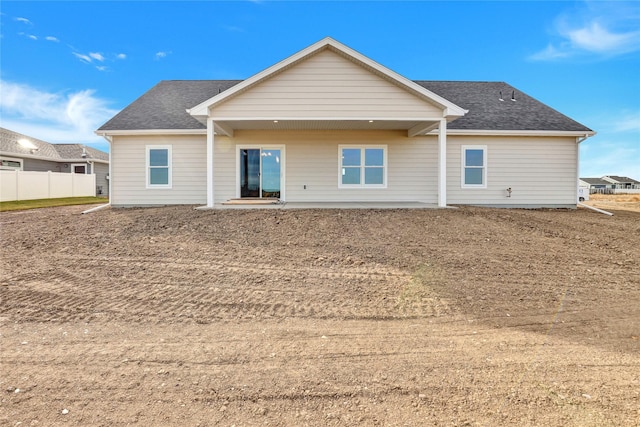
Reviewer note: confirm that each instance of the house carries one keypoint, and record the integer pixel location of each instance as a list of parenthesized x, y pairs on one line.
[(622, 182), (24, 153), (328, 124), (594, 183), (611, 184)]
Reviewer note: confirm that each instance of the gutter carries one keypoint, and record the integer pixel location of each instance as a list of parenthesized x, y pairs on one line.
[(50, 159), (582, 138)]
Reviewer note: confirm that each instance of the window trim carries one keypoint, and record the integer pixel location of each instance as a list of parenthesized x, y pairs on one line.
[(362, 148), (463, 166), (148, 149), (73, 165), (12, 159)]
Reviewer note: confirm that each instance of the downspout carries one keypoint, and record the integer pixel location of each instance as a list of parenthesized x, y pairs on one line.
[(579, 139)]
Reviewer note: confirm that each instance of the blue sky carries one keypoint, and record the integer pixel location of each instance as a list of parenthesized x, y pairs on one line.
[(67, 67)]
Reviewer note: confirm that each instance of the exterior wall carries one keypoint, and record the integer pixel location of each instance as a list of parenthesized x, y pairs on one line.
[(42, 166), (326, 85), (311, 160), (541, 171), (189, 171), (101, 172)]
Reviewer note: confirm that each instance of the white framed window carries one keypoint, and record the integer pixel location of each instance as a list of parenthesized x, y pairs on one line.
[(474, 166), (10, 164), (158, 166), (362, 166), (79, 168)]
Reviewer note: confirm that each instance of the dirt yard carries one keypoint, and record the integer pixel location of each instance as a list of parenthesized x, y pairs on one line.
[(457, 317)]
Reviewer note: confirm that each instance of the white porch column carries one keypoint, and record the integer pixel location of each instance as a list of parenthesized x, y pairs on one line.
[(210, 142), (442, 163)]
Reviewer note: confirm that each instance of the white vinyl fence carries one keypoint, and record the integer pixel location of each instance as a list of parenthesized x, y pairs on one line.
[(28, 185)]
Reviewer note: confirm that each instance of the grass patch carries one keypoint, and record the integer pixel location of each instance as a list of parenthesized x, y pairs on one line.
[(419, 295), (20, 205)]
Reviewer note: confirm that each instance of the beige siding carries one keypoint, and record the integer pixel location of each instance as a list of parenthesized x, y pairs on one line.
[(541, 171), (325, 85), (189, 171), (311, 159)]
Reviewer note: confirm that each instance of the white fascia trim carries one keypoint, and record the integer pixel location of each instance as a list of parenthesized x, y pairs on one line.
[(484, 132), (137, 132), (50, 159), (87, 160), (328, 119), (450, 109)]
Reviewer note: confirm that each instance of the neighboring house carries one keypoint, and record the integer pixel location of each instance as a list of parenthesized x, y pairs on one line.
[(594, 183), (329, 124), (622, 182), (610, 184), (21, 152)]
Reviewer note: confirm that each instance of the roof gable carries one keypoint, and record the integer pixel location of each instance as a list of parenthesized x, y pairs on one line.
[(10, 145), (449, 109), (615, 179)]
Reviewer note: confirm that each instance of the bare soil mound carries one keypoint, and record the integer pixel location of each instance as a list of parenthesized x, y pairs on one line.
[(172, 316)]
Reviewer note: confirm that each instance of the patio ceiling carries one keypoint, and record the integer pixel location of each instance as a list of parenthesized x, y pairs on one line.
[(413, 127)]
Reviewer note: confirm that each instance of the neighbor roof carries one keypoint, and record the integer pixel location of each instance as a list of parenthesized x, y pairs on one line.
[(595, 181), (621, 179), (164, 107), (45, 150)]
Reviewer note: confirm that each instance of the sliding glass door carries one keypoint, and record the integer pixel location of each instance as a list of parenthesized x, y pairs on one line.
[(260, 172)]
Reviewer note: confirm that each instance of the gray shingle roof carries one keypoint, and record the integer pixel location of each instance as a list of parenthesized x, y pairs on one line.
[(164, 107), (595, 181), (75, 151), (622, 179), (45, 150), (9, 144), (487, 112)]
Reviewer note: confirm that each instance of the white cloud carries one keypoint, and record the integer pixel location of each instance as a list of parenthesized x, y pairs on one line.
[(82, 57), (23, 20), (595, 38), (102, 68), (162, 54), (628, 123), (121, 56), (97, 56), (594, 29), (52, 117), (549, 53), (52, 39), (29, 36)]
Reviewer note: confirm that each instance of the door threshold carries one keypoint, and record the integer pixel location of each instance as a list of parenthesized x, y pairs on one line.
[(253, 201)]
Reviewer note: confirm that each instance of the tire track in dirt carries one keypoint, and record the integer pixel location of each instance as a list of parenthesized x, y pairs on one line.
[(137, 288)]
